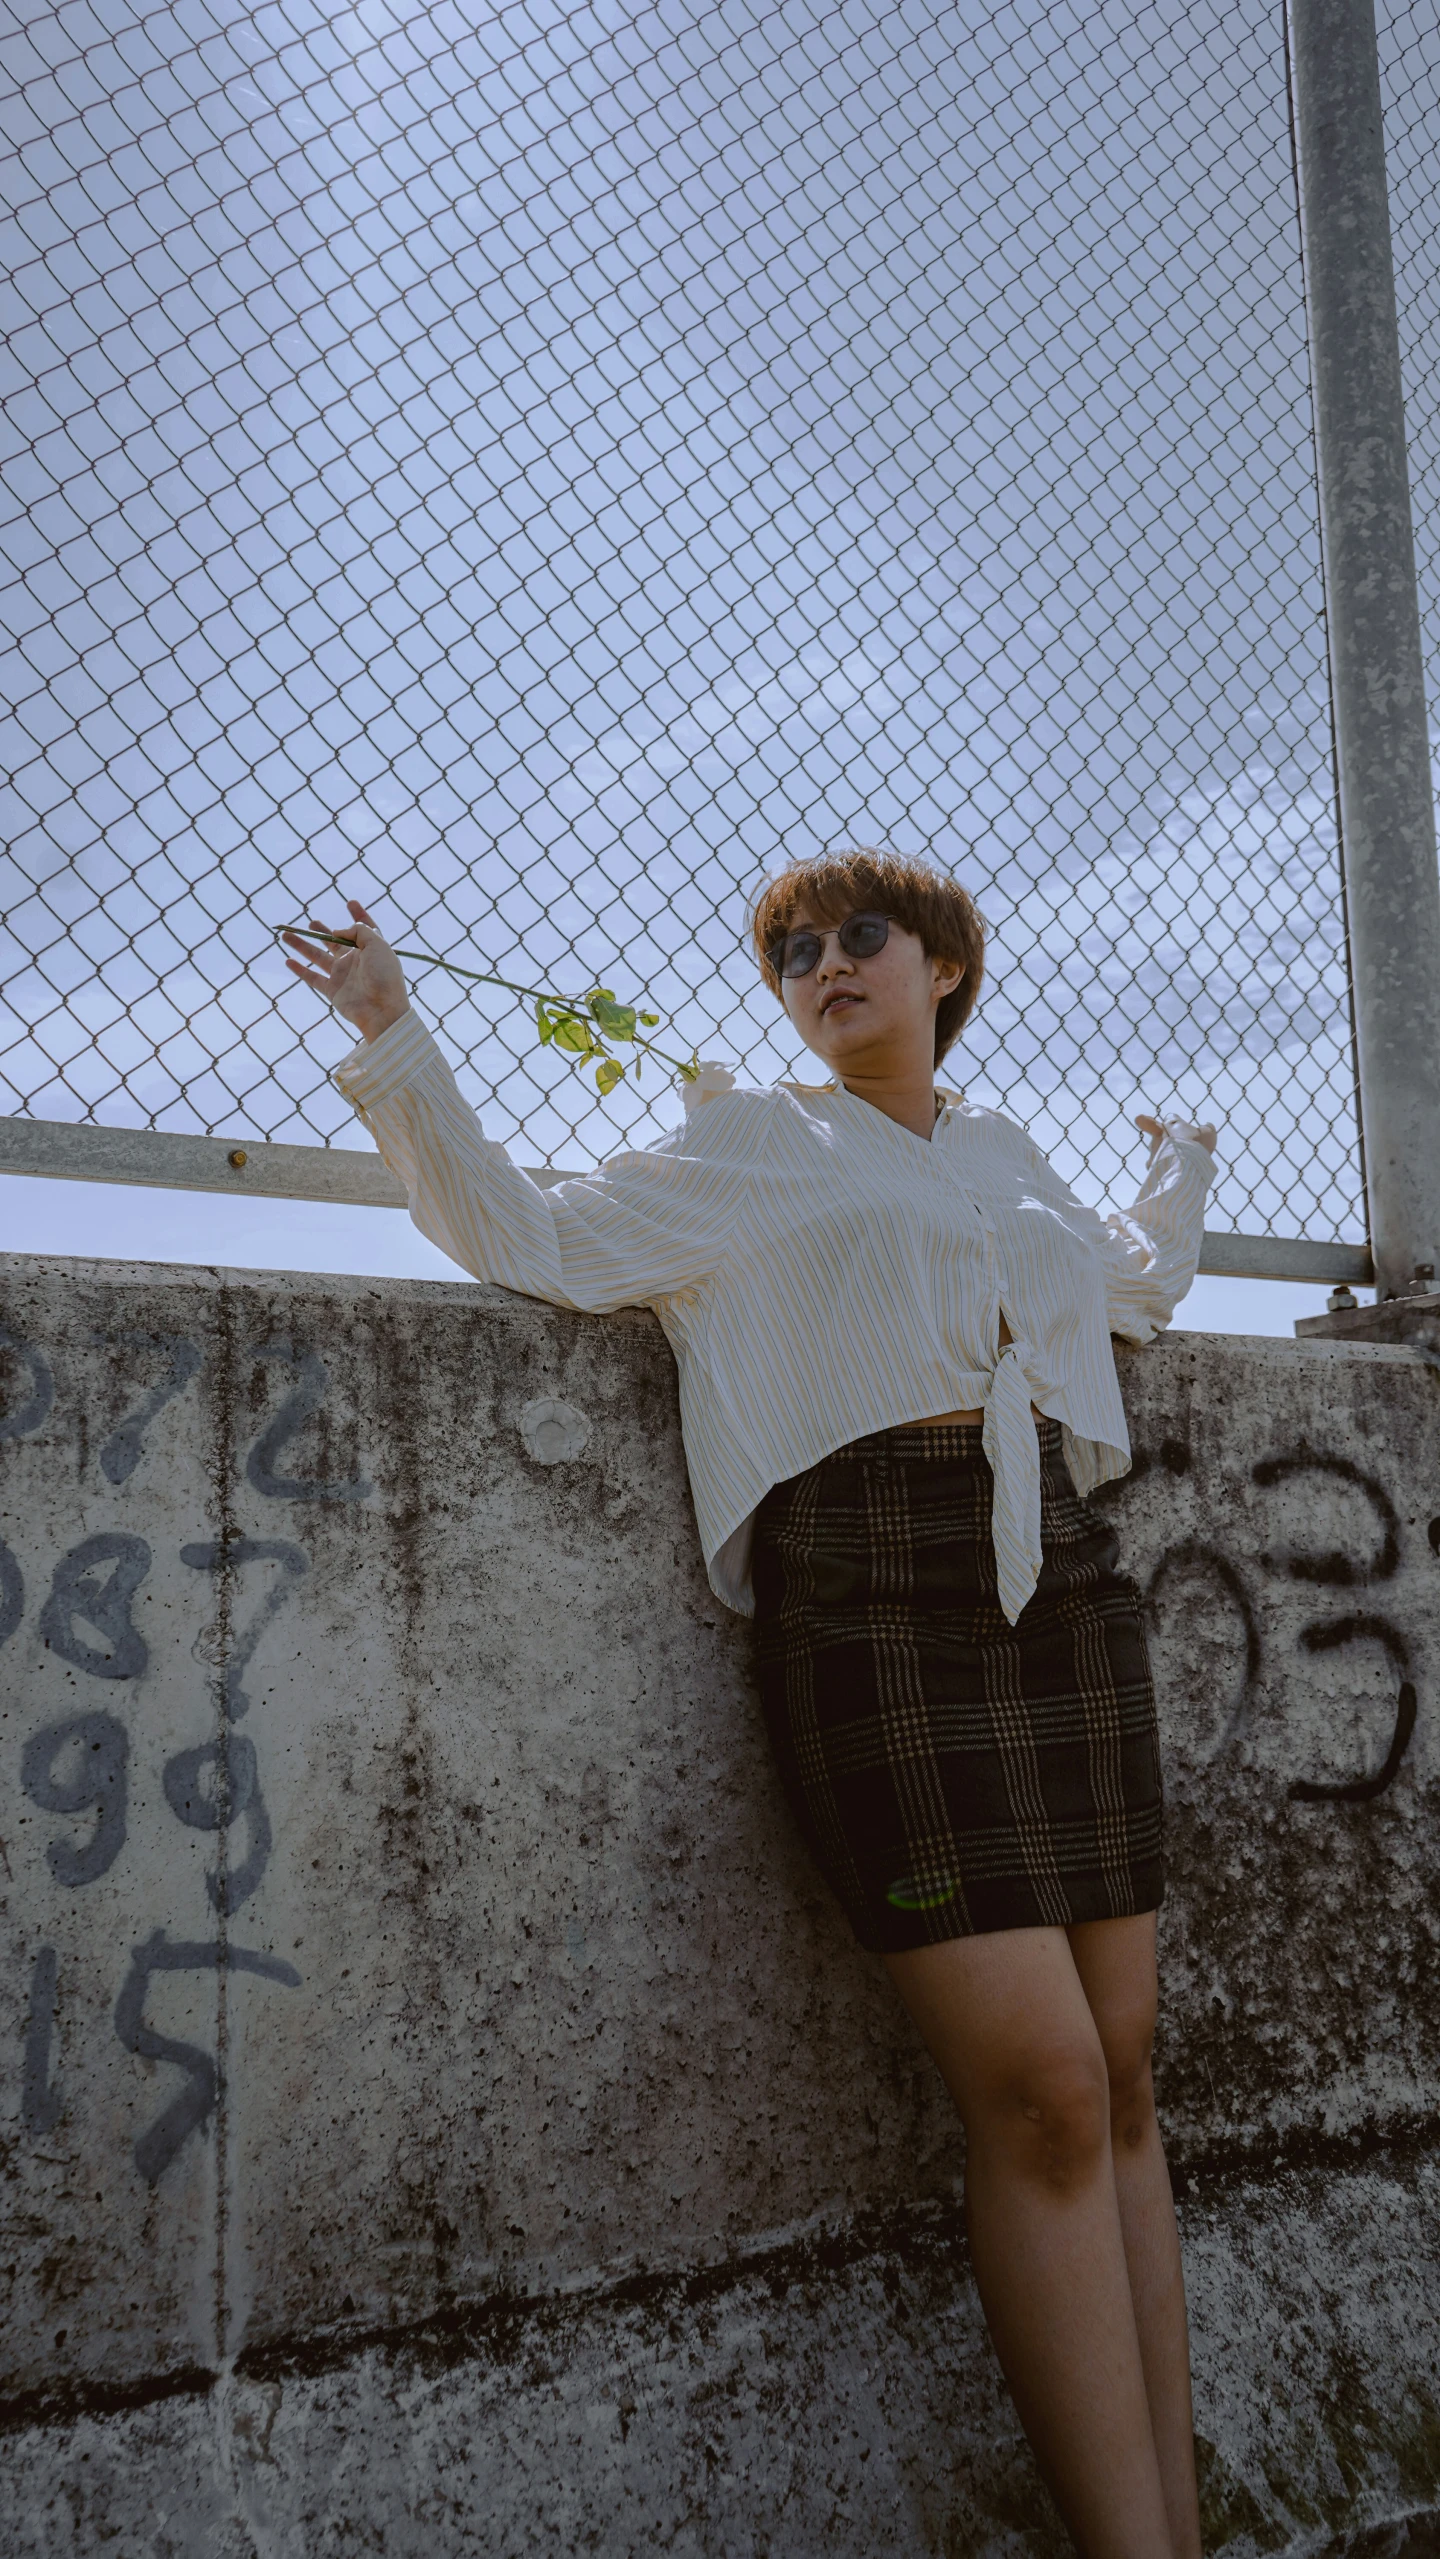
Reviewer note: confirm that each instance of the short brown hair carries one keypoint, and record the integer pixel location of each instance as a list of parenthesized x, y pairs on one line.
[(833, 885)]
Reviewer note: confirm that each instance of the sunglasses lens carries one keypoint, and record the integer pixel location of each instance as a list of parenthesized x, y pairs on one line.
[(863, 935), (860, 935)]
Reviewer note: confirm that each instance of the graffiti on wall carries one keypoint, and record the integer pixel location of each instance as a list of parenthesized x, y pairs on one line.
[(1292, 1591), (77, 1768), (1244, 1574)]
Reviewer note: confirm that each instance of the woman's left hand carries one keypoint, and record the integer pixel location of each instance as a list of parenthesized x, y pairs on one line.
[(357, 972), (1155, 1130)]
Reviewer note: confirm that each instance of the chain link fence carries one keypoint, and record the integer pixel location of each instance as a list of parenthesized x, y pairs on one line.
[(1409, 48), (538, 469)]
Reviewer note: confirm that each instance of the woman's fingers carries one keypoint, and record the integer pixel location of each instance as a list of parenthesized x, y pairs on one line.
[(333, 944), (354, 969), (324, 966), (1155, 1129), (316, 953), (335, 954)]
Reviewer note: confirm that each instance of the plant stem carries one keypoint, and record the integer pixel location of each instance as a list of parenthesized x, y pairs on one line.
[(483, 977)]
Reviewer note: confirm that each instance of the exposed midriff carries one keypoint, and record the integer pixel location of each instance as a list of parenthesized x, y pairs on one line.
[(978, 1415)]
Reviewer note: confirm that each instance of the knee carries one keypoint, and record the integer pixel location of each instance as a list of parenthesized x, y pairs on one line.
[(1057, 2107)]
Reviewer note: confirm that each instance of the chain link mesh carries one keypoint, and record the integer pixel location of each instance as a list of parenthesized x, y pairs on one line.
[(538, 474), (1409, 46)]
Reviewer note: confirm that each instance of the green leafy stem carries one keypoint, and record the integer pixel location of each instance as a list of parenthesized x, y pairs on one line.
[(583, 1026)]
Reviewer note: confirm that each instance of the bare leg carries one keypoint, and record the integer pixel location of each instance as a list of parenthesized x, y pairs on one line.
[(1010, 2027), (1115, 1959)]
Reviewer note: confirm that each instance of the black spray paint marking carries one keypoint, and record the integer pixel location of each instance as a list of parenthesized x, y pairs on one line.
[(27, 1415), (125, 1447), (1335, 1569), (220, 1556), (305, 1397), (1172, 1454), (39, 2102), (77, 1592), (1191, 1556), (1192, 1553), (1327, 1637), (218, 1782), (12, 1594), (98, 1749), (212, 1786), (195, 2104)]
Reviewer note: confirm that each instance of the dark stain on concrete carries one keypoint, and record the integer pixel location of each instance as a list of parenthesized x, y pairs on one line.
[(60, 2403)]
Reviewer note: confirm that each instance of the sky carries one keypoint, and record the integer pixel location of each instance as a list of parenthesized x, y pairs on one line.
[(540, 468)]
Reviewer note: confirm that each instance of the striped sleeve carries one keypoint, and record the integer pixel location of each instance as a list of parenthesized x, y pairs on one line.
[(644, 1227), (1150, 1251)]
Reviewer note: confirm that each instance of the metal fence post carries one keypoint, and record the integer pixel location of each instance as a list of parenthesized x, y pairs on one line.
[(1387, 809)]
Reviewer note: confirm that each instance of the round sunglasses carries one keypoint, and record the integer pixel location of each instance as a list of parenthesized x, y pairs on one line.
[(797, 953)]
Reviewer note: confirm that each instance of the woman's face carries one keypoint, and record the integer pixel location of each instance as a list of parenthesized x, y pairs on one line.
[(877, 1015)]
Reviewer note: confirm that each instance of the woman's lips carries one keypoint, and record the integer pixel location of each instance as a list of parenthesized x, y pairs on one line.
[(831, 1002)]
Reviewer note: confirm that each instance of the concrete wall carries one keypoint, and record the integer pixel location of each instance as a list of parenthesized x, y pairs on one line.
[(443, 2112)]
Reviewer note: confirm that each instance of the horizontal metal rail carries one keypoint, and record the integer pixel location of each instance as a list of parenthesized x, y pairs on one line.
[(1285, 1257), (78, 1152), (355, 1177)]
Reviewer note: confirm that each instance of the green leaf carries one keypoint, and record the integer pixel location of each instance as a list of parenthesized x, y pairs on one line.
[(608, 1074), (616, 1020), (543, 1023), (651, 1021), (573, 1033)]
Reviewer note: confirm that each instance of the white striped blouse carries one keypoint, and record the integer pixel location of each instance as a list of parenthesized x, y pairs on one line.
[(820, 1273)]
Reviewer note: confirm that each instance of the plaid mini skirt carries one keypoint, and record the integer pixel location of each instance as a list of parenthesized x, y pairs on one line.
[(953, 1774)]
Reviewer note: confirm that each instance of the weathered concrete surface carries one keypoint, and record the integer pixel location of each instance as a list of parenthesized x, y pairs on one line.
[(1390, 1319), (1283, 1516), (549, 2000), (836, 2399)]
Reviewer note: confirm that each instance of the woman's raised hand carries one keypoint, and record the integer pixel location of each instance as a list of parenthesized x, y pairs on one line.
[(358, 972), (1155, 1130)]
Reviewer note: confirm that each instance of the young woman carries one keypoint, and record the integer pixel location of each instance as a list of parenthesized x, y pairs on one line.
[(892, 1322)]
